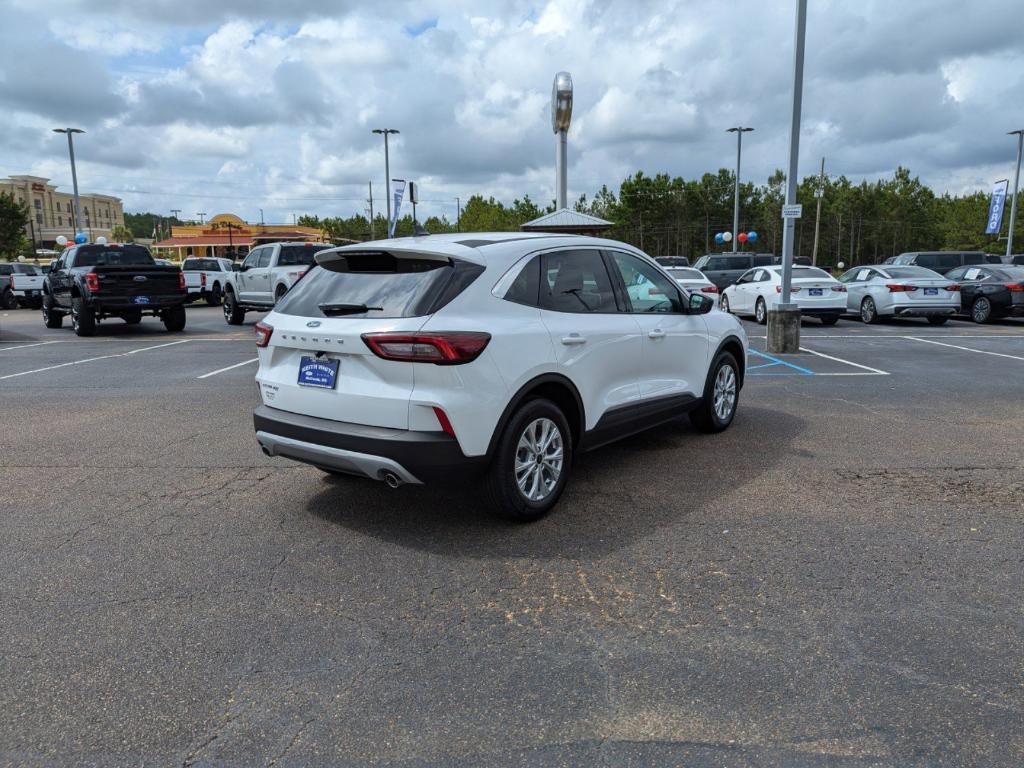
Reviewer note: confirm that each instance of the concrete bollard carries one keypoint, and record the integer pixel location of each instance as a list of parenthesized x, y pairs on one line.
[(783, 331)]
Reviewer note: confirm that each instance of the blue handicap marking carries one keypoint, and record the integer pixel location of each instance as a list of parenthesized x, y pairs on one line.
[(774, 361)]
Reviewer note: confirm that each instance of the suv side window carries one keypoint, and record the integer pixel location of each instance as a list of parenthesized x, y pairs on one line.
[(648, 289), (524, 289), (264, 257), (576, 281)]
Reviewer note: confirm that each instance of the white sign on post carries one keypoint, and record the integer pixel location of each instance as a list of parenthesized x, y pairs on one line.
[(792, 211)]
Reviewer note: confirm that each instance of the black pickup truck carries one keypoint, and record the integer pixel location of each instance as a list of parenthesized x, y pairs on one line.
[(95, 281)]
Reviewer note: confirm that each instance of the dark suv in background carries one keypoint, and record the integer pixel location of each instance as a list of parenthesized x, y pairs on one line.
[(943, 261), (724, 269)]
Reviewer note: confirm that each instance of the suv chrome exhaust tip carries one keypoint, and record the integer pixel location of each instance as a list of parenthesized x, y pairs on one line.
[(392, 480)]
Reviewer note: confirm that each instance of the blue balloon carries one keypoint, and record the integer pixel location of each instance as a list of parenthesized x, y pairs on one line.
[(80, 237), (719, 238), (751, 237)]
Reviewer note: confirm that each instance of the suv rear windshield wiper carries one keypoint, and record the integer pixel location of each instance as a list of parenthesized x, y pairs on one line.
[(346, 309)]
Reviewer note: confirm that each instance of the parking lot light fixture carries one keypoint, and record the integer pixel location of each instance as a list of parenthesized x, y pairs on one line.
[(385, 132), (739, 130), (74, 174), (1016, 180)]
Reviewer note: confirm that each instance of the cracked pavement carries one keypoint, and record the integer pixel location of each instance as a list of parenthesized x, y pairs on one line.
[(835, 581)]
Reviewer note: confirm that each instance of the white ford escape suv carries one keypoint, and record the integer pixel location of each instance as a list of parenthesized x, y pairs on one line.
[(425, 359)]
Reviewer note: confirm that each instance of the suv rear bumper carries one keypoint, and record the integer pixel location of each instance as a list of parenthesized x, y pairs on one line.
[(925, 311), (356, 449)]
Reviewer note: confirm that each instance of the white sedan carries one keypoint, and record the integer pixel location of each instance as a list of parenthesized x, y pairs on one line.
[(888, 290), (814, 291), (693, 280)]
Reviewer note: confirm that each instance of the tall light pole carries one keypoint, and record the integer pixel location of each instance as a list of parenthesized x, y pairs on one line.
[(385, 132), (176, 211), (261, 217), (74, 173), (458, 215), (784, 320), (202, 217), (1016, 180), (561, 116), (739, 130)]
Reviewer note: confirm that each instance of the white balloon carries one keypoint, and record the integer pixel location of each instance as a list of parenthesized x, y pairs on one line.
[(101, 240), (61, 240), (840, 265), (727, 236)]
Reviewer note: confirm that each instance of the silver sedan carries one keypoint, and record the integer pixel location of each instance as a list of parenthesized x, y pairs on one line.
[(885, 290)]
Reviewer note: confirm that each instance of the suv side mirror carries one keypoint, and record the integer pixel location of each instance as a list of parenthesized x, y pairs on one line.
[(700, 304), (53, 265)]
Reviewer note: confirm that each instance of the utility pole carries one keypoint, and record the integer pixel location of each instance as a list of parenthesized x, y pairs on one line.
[(458, 215), (385, 132), (176, 212), (784, 320), (372, 236), (1017, 177), (739, 130), (74, 173), (817, 217), (202, 217), (261, 217)]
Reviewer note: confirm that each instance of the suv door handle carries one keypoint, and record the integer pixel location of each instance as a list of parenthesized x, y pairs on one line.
[(657, 333), (573, 339)]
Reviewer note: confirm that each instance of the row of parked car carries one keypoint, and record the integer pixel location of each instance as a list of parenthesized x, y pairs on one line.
[(974, 284)]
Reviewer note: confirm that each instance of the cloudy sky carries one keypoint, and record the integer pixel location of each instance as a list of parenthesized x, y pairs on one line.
[(237, 105)]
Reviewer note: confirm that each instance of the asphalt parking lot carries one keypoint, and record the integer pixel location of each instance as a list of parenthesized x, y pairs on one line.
[(834, 581)]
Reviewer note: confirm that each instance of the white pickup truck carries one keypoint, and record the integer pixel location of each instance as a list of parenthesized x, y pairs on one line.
[(265, 276), (20, 285), (206, 277)]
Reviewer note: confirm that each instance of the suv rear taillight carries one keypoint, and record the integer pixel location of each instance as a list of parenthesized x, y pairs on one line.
[(202, 279), (1014, 287), (92, 282), (440, 348), (181, 280), (263, 334), (709, 289)]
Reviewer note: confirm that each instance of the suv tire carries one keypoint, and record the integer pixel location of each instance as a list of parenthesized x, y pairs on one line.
[(8, 300), (51, 318), (174, 318), (233, 314), (538, 424), (721, 395), (83, 318), (213, 297), (279, 294)]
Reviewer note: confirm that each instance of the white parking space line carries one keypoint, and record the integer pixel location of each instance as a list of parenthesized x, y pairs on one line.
[(866, 370), (228, 368), (23, 346), (92, 359), (965, 349)]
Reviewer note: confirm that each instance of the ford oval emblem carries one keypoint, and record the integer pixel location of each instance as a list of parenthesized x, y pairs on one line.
[(313, 324), (139, 278)]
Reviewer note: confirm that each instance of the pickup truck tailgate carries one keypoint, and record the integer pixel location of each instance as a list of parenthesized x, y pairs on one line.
[(138, 281)]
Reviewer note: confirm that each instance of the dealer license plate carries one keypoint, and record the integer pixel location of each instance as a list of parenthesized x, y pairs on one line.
[(815, 292), (141, 299), (318, 372), (931, 291)]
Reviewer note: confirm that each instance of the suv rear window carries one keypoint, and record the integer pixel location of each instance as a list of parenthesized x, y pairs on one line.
[(388, 286), (101, 256), (299, 255), (727, 262)]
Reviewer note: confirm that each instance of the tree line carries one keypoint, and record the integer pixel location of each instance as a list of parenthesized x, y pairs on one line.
[(669, 215)]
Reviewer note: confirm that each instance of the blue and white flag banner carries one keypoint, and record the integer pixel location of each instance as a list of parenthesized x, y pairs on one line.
[(995, 207), (397, 193)]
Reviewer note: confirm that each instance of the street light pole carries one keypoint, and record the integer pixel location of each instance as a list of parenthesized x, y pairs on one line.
[(74, 173), (202, 217), (387, 166), (458, 215), (739, 130), (784, 321), (1016, 180)]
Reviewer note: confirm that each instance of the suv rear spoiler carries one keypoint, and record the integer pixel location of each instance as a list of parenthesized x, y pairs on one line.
[(453, 251)]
